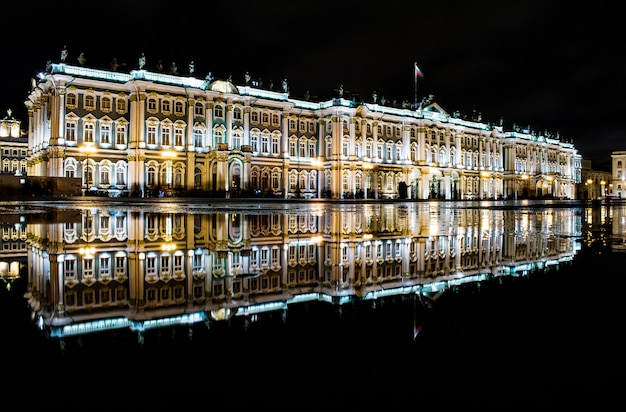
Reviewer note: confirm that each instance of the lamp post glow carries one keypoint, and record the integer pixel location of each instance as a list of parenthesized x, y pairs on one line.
[(87, 175), (168, 155)]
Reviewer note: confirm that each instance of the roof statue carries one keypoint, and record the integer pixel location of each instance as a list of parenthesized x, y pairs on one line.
[(81, 59), (64, 54), (173, 68), (142, 61)]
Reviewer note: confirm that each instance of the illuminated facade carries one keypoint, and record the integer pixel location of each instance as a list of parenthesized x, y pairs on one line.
[(13, 146), (596, 184), (144, 133), (618, 174), (110, 268)]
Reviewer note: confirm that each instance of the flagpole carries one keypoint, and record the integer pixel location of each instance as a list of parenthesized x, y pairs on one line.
[(415, 75)]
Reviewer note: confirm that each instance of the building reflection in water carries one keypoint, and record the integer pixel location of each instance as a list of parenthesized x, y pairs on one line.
[(111, 268)]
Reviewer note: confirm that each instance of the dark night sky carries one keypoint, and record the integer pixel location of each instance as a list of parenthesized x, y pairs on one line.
[(552, 66)]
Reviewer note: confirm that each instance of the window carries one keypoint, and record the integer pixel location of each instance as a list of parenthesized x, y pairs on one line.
[(120, 134), (219, 111), (120, 266), (178, 264), (70, 268), (120, 224), (219, 134), (105, 104), (105, 133), (104, 175), (151, 176), (276, 180), (151, 135), (165, 265), (293, 181), (89, 133), (152, 105), (292, 148), (237, 139), (120, 175), (254, 142), (198, 137), (71, 100), (275, 145), (265, 144), (121, 105), (70, 131), (179, 108), (198, 109), (302, 148), (166, 138), (90, 102), (178, 137), (151, 266), (312, 151), (88, 267), (105, 269), (166, 107)]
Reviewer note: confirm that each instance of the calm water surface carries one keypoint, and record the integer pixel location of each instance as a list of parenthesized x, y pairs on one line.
[(308, 306)]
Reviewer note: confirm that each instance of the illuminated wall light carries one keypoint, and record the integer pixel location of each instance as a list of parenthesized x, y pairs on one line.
[(87, 251)]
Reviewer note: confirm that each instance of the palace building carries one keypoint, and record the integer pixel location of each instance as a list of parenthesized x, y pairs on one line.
[(148, 133)]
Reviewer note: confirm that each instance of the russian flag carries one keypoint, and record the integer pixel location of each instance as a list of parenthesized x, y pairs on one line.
[(418, 72)]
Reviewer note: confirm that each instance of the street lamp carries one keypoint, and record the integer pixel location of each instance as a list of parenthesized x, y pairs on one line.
[(589, 191), (168, 155), (602, 188), (87, 174)]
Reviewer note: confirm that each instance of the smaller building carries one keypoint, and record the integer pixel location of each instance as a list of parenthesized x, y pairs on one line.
[(13, 146), (618, 174), (595, 183)]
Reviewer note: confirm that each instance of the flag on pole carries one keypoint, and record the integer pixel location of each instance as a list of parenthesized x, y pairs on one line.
[(418, 72)]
